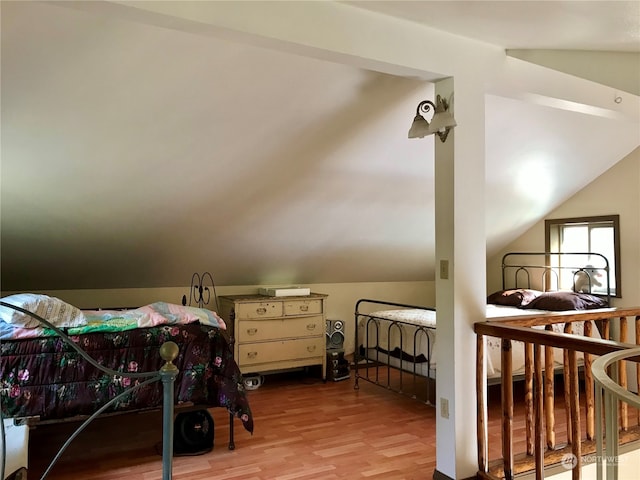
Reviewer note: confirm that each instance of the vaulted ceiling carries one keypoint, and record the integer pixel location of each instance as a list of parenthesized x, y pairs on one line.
[(135, 153)]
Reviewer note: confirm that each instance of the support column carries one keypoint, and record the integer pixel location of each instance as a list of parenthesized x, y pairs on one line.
[(460, 278)]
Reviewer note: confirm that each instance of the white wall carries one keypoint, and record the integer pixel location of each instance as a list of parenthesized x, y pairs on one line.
[(617, 191)]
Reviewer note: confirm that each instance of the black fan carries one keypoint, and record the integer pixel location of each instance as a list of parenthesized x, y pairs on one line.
[(193, 433)]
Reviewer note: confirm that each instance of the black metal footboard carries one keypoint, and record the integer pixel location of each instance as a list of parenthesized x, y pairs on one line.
[(383, 358), (167, 375)]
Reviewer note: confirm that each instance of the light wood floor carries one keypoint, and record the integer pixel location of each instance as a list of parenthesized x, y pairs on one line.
[(304, 429)]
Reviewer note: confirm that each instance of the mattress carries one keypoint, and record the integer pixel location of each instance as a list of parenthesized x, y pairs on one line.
[(46, 378), (389, 343)]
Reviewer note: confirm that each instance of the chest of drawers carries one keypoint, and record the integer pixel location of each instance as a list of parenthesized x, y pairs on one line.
[(276, 333)]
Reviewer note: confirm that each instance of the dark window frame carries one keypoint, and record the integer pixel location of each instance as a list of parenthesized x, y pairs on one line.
[(550, 224)]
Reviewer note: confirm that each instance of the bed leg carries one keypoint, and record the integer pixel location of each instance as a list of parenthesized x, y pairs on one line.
[(232, 445)]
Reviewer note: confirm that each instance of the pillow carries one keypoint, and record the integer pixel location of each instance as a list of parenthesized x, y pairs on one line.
[(52, 309), (560, 301), (518, 297)]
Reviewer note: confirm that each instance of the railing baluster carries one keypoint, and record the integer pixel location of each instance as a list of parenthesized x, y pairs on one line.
[(624, 419), (606, 329), (528, 396), (611, 425), (599, 392), (481, 406), (549, 395), (538, 409), (576, 446), (507, 409), (588, 384), (566, 376)]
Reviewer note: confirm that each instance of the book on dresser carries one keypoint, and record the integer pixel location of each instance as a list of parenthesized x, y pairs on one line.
[(274, 333)]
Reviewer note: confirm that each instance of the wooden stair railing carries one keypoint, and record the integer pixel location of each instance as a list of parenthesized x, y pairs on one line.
[(541, 445)]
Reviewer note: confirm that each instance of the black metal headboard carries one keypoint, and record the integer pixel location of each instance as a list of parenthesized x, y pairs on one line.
[(586, 272), (199, 291)]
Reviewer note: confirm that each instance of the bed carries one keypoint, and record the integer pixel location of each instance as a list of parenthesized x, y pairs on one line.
[(395, 347), (44, 377), (392, 336)]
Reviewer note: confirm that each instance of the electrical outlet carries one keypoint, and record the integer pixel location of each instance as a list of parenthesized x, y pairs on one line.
[(444, 408), (444, 269)]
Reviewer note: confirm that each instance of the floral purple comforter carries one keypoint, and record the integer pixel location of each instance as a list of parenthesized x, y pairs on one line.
[(46, 377)]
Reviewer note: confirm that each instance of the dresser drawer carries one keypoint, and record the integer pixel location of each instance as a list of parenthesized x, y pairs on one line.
[(267, 352), (258, 310), (303, 307), (260, 330)]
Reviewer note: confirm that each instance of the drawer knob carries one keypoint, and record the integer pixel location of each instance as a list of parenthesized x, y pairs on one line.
[(311, 326), (252, 354), (311, 348), (252, 331), (304, 308), (261, 311)]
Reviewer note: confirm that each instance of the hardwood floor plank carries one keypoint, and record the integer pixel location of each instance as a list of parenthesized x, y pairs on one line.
[(304, 429)]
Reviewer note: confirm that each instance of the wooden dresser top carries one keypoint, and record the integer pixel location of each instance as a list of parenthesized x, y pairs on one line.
[(256, 297)]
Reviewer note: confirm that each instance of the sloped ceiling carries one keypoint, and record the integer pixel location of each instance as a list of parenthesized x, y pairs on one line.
[(134, 155)]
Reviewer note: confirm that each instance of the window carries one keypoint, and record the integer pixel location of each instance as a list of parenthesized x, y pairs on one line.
[(588, 234)]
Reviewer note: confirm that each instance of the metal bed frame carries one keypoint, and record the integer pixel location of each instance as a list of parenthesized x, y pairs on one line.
[(372, 372), (167, 375), (516, 270), (550, 274)]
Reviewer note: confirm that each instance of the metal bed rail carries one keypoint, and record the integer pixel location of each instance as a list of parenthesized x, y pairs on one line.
[(411, 367), (167, 375)]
